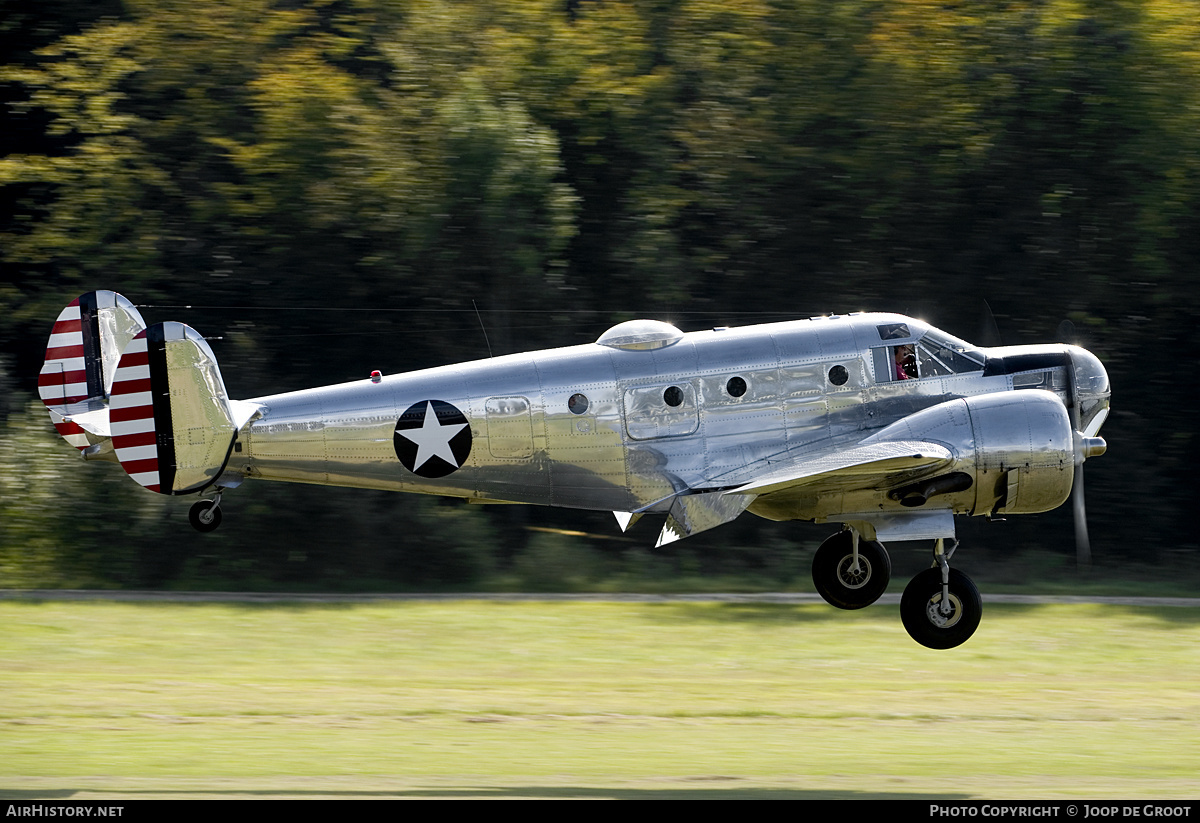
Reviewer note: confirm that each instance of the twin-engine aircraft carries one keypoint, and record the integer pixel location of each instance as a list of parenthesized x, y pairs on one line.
[(878, 422)]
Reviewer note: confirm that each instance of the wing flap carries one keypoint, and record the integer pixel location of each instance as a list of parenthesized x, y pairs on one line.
[(695, 513)]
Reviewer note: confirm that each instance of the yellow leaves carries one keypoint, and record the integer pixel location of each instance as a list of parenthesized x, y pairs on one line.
[(78, 80), (25, 168)]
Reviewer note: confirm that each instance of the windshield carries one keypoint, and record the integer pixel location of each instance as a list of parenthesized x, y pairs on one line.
[(939, 353)]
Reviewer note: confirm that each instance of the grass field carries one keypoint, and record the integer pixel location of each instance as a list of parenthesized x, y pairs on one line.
[(581, 699)]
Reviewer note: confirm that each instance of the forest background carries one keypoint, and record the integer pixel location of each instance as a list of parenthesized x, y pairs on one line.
[(327, 187)]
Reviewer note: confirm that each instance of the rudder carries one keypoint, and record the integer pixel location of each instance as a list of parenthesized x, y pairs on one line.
[(173, 425), (81, 360)]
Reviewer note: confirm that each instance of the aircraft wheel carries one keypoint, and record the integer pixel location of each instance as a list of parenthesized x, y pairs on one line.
[(922, 614), (839, 582), (204, 516)]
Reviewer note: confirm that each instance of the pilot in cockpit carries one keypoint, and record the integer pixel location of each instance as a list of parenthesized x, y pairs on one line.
[(906, 362)]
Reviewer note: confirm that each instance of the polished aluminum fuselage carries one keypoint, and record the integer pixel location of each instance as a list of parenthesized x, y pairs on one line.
[(629, 450)]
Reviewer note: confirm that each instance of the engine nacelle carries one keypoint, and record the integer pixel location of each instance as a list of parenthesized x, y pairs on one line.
[(1024, 452), (1017, 446)]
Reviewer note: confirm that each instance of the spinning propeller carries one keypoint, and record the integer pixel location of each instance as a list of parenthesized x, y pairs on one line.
[(1083, 368), (1087, 443)]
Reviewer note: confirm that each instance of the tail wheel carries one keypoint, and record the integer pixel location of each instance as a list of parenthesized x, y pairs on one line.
[(205, 516), (841, 581), (937, 622)]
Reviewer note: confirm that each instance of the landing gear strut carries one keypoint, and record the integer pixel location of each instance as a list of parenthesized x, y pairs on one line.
[(849, 572), (205, 515), (941, 607)]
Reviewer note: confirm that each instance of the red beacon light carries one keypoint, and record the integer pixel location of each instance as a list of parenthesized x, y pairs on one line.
[(376, 376)]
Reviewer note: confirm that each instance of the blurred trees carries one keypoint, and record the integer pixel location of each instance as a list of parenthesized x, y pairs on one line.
[(335, 185)]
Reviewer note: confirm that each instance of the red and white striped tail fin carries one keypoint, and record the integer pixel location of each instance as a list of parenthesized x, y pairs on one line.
[(173, 426), (151, 398), (131, 414), (81, 360)]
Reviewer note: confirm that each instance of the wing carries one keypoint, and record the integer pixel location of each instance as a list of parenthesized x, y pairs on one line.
[(877, 464), (874, 465)]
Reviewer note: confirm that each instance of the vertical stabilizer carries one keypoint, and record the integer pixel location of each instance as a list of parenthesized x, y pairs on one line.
[(172, 423), (81, 360)]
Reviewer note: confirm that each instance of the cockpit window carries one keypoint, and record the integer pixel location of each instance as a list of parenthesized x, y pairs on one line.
[(939, 353), (951, 342), (935, 354), (893, 331)]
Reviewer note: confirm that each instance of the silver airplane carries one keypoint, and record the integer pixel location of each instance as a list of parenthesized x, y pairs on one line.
[(878, 422)]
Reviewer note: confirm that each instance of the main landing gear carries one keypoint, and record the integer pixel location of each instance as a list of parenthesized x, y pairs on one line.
[(850, 572), (940, 607), (205, 515)]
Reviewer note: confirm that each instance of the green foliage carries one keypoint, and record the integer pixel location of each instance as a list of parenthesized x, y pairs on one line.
[(69, 525), (558, 562)]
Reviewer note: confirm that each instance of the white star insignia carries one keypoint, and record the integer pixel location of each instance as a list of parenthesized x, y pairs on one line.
[(432, 439)]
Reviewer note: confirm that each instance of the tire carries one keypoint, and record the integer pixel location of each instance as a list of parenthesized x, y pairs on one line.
[(204, 516), (838, 584), (920, 609)]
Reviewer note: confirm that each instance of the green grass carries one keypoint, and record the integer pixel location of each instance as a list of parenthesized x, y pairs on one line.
[(537, 699)]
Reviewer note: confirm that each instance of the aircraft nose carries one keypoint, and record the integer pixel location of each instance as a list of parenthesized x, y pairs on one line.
[(1092, 390)]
